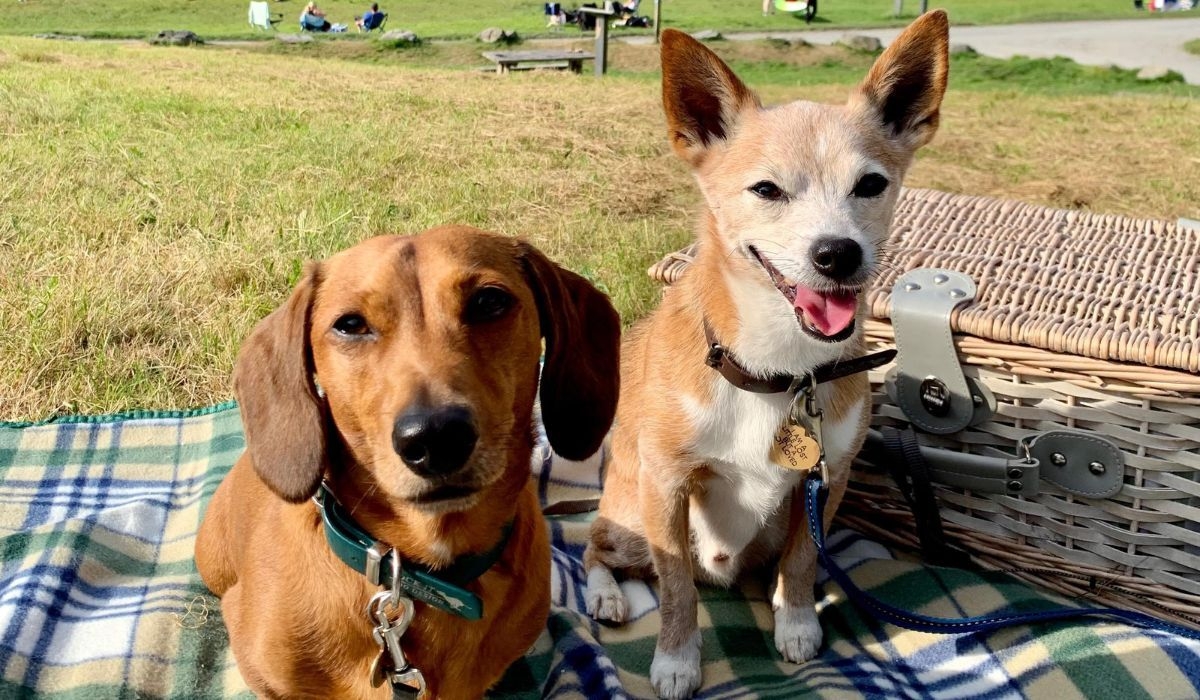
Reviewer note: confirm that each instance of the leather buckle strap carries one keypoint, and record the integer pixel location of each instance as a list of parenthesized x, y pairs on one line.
[(911, 473), (720, 359)]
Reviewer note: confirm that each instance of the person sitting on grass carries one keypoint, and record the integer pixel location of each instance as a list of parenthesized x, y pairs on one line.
[(371, 20), (312, 19)]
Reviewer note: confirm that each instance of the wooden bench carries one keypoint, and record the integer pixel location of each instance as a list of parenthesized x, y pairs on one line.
[(519, 60)]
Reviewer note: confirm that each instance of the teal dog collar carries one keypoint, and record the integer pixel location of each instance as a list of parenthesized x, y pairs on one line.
[(377, 562)]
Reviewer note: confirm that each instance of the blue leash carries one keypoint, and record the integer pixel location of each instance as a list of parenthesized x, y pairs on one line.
[(815, 502)]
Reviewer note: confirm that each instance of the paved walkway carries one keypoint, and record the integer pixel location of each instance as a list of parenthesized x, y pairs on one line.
[(1125, 43)]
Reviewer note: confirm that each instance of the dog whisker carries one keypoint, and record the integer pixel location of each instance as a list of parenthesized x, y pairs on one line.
[(372, 487), (759, 244)]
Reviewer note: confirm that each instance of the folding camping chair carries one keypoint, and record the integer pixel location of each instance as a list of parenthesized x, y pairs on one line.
[(260, 15), (372, 21)]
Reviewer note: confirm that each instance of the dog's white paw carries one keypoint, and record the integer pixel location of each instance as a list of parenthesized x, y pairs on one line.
[(676, 674), (797, 633), (604, 598)]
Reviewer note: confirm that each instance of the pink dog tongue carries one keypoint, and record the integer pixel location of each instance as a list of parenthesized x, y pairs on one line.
[(828, 313)]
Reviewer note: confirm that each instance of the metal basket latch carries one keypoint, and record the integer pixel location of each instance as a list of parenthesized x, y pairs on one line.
[(927, 382), (1078, 462)]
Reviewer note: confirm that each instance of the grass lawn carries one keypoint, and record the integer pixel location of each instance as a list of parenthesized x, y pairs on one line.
[(1193, 46), (465, 18), (155, 203)]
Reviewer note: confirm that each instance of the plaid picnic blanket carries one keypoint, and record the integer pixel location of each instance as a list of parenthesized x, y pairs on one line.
[(99, 597)]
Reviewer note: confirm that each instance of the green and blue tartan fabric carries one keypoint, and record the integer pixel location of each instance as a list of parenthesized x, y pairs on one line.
[(99, 596)]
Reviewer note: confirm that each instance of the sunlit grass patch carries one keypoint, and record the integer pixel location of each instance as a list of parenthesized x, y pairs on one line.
[(156, 202)]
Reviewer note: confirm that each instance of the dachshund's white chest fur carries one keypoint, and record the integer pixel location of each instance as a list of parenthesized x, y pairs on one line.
[(745, 501)]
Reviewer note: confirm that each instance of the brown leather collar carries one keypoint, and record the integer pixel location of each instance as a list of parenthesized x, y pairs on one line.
[(720, 359)]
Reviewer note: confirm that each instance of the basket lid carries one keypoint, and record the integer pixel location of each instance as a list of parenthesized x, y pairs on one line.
[(1100, 286)]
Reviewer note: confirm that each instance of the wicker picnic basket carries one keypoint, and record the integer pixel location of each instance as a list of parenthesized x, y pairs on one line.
[(1080, 322)]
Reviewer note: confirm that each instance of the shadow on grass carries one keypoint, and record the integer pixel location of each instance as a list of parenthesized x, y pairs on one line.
[(799, 17)]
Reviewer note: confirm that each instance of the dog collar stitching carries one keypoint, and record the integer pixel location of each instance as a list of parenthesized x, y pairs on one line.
[(720, 359), (443, 589)]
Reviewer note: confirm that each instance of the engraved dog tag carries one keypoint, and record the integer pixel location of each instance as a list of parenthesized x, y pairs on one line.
[(795, 448)]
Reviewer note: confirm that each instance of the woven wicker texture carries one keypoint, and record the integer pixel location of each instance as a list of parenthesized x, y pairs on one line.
[(1082, 322), (1093, 285)]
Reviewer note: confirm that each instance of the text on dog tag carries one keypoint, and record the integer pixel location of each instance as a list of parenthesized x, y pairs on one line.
[(795, 448)]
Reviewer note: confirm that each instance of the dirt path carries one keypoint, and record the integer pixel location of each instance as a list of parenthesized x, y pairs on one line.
[(1125, 43)]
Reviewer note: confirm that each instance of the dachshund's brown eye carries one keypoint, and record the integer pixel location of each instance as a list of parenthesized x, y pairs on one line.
[(351, 324), (487, 304), (871, 185)]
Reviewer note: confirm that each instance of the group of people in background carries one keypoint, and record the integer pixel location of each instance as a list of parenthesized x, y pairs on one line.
[(312, 19)]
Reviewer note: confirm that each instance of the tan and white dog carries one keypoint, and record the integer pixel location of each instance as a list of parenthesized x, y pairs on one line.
[(799, 201)]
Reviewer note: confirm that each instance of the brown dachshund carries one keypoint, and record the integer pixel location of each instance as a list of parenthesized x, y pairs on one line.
[(399, 381)]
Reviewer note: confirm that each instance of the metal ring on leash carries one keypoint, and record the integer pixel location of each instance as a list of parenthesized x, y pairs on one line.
[(391, 664)]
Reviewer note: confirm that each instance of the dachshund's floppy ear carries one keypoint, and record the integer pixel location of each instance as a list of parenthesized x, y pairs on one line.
[(581, 374), (281, 412)]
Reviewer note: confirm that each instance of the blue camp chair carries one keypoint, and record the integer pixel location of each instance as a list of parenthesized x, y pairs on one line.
[(373, 20)]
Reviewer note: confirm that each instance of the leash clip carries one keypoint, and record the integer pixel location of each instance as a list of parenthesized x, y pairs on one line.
[(408, 684), (803, 385), (391, 664), (805, 412)]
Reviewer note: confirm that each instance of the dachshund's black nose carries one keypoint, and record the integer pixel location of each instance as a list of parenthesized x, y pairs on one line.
[(434, 442)]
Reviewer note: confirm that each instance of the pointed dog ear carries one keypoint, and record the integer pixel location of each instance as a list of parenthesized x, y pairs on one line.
[(701, 96), (281, 413), (904, 88), (581, 372)]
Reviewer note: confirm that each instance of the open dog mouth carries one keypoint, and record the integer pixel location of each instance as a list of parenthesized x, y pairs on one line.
[(825, 314)]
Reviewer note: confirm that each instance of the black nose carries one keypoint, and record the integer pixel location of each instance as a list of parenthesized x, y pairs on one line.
[(434, 442), (836, 258)]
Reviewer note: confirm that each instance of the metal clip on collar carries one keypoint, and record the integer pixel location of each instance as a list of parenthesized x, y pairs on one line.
[(804, 411), (391, 664)]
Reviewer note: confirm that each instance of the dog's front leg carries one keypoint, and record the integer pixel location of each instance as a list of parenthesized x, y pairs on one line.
[(797, 630), (663, 500)]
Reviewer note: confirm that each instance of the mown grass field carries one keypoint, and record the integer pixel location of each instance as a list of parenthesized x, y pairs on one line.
[(465, 18), (156, 202)]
